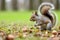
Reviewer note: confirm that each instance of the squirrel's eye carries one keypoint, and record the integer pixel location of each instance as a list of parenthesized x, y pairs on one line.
[(33, 17)]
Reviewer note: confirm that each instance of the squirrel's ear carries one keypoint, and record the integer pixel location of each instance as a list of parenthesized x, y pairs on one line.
[(36, 13)]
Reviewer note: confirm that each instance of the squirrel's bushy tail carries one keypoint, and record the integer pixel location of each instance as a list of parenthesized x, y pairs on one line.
[(55, 19), (54, 16)]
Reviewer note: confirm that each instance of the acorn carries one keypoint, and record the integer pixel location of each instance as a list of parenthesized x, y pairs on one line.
[(10, 37), (54, 32)]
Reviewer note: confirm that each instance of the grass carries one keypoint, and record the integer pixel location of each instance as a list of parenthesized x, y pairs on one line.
[(15, 16)]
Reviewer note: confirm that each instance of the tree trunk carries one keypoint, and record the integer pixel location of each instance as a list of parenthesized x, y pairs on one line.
[(14, 4), (31, 2), (2, 4), (57, 4), (41, 1)]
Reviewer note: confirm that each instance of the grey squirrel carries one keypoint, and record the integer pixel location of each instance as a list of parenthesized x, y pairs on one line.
[(46, 9), (49, 17)]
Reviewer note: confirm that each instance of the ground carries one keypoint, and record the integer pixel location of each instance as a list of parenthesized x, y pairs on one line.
[(22, 17)]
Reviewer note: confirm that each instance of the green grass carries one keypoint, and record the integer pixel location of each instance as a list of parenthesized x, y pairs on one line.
[(15, 16), (18, 16)]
